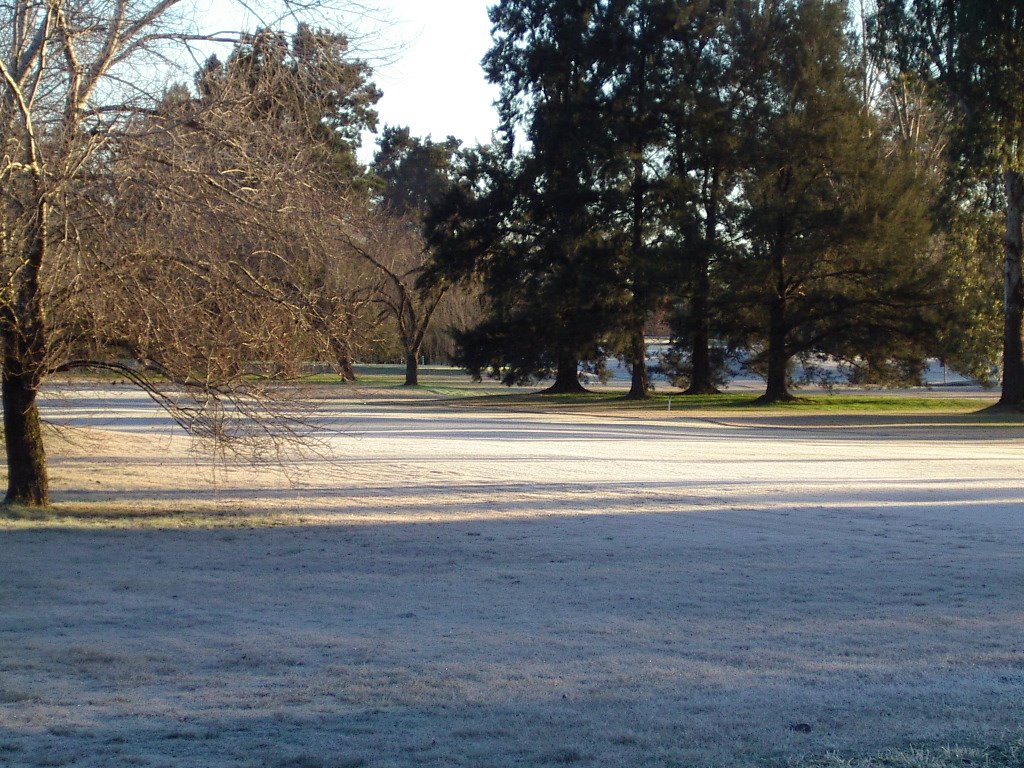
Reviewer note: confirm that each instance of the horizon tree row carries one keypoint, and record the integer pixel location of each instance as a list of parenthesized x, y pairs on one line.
[(762, 172)]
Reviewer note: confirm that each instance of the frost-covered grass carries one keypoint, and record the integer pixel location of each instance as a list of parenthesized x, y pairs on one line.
[(1009, 754), (484, 586)]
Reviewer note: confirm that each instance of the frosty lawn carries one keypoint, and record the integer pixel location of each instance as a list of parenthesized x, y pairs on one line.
[(476, 586)]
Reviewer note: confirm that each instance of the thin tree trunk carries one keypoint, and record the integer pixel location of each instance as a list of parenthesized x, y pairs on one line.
[(412, 362), (346, 369), (640, 381), (1013, 286), (567, 380), (343, 360)]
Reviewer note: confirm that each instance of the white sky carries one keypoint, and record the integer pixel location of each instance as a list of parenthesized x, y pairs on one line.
[(433, 82)]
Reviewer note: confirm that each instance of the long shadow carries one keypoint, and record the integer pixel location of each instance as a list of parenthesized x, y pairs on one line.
[(585, 427), (750, 504), (622, 641)]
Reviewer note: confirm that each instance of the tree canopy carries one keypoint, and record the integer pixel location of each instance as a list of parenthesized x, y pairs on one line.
[(715, 160), (969, 53)]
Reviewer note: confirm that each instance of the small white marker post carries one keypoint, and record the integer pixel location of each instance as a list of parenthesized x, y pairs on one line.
[(670, 402)]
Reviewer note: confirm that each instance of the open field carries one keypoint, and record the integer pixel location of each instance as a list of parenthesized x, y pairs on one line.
[(478, 584)]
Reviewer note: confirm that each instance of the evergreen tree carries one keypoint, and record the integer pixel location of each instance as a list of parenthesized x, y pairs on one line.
[(530, 221), (970, 51), (972, 249), (702, 156), (415, 173), (836, 229), (633, 44)]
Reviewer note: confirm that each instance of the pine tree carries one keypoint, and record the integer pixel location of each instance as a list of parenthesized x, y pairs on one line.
[(970, 51), (702, 156), (633, 43), (415, 173), (528, 218), (835, 228)]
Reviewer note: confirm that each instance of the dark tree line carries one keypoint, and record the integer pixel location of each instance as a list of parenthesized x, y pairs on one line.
[(725, 164)]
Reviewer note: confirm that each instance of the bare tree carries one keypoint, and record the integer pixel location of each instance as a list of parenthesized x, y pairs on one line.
[(103, 258), (394, 247), (460, 310)]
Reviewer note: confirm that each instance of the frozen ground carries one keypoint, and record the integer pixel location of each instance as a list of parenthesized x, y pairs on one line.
[(476, 587)]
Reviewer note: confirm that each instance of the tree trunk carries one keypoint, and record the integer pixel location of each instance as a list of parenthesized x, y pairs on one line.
[(346, 369), (640, 385), (343, 359), (702, 375), (27, 483), (777, 390), (567, 380), (1013, 307), (412, 362), (24, 352), (640, 381)]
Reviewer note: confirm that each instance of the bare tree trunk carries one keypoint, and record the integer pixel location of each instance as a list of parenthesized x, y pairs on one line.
[(567, 380), (414, 343), (1013, 307), (412, 362), (343, 359), (23, 359), (27, 483), (346, 369)]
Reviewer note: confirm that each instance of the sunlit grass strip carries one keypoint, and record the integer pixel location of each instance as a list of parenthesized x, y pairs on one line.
[(748, 402), (77, 517)]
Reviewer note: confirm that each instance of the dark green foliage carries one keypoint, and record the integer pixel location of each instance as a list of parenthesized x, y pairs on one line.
[(676, 363), (972, 242), (717, 159), (635, 43), (416, 173), (529, 223), (970, 53), (706, 90), (835, 227)]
